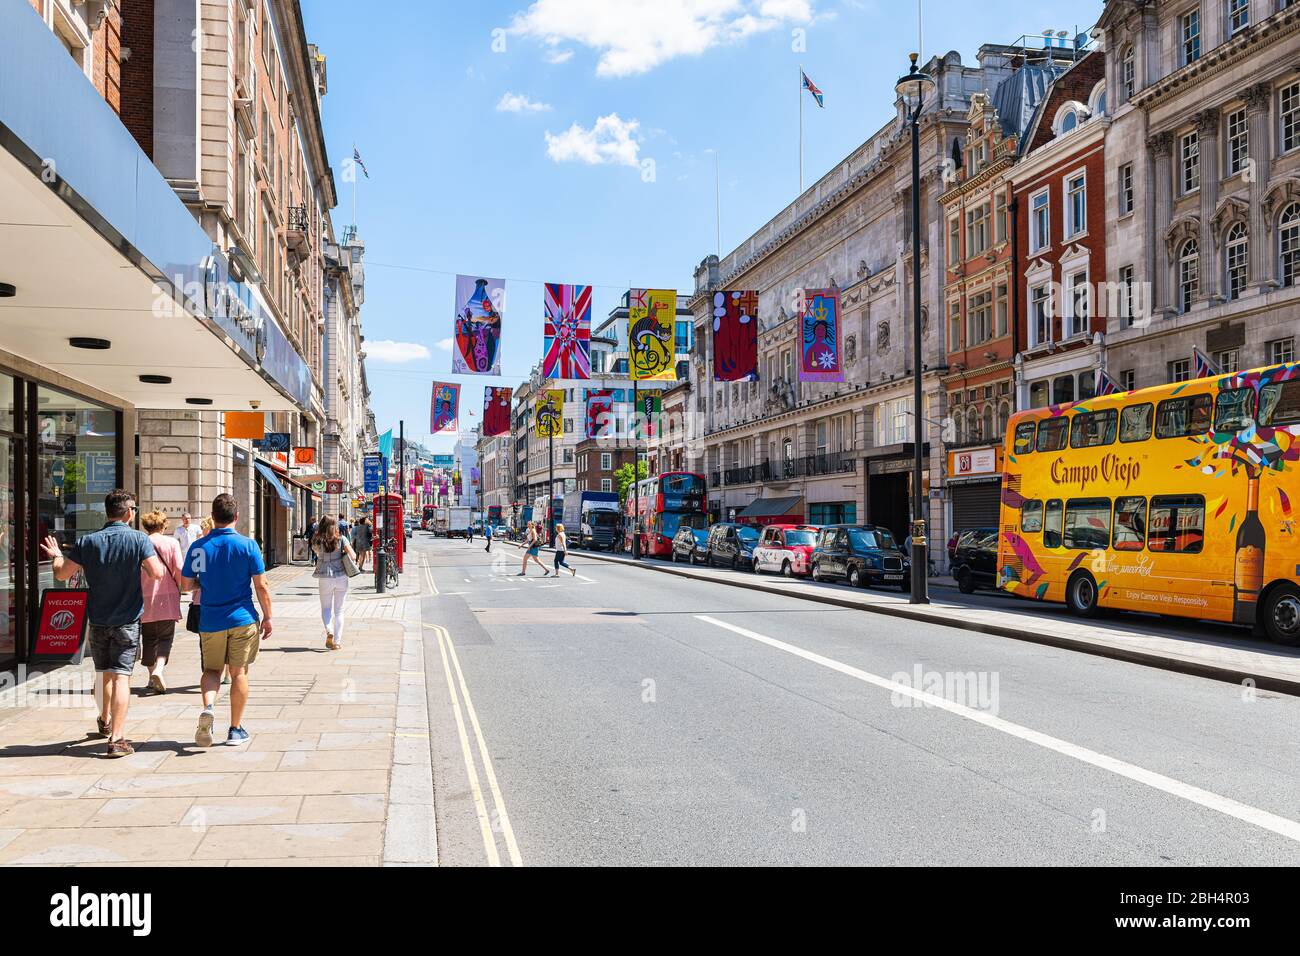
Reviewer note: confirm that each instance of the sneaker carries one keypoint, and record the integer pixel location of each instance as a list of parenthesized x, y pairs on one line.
[(119, 748), (203, 732), (105, 726), (237, 735), (157, 684)]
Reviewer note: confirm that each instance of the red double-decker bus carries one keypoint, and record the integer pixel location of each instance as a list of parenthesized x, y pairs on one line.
[(666, 502)]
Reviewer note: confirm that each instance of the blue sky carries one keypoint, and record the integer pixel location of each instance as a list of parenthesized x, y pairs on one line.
[(571, 141)]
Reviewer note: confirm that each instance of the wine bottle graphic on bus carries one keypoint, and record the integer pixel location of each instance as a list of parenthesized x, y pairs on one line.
[(1248, 576)]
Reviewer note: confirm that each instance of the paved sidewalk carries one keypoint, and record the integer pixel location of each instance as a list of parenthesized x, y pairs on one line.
[(313, 786), (1123, 637)]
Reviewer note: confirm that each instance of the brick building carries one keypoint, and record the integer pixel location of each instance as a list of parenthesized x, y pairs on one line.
[(597, 460)]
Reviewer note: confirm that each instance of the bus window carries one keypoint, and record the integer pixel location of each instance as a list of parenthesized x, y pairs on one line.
[(1179, 417), (1052, 524), (1234, 409), (1031, 517), (1279, 403), (1130, 523), (1135, 423), (1052, 433), (1024, 438), (1177, 524), (1087, 523), (1088, 429)]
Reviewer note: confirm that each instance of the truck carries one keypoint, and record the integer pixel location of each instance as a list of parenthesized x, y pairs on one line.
[(592, 519), (458, 521), (440, 519)]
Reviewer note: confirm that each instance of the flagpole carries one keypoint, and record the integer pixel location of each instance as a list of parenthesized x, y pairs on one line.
[(800, 129), (354, 187), (717, 201)]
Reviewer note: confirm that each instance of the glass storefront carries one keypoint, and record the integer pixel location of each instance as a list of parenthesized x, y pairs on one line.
[(60, 454)]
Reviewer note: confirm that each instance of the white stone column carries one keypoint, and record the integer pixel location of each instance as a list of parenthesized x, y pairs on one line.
[(1259, 130), (1207, 127), (1160, 210)]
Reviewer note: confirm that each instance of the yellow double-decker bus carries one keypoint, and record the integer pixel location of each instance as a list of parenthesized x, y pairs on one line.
[(1176, 500)]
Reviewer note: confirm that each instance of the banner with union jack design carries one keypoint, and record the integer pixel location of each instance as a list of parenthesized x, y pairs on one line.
[(567, 351)]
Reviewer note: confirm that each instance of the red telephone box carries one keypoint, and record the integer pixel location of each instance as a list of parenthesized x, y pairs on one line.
[(389, 523)]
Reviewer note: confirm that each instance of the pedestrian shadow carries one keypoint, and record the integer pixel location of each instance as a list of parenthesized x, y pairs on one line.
[(58, 748)]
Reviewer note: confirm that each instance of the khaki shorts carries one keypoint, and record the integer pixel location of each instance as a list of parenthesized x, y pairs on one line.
[(236, 647)]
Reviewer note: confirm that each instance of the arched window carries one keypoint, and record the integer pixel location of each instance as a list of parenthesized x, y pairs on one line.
[(1097, 99), (1127, 74), (1189, 274), (957, 430), (1069, 121), (1288, 244), (1004, 415), (972, 425), (988, 422), (1235, 249)]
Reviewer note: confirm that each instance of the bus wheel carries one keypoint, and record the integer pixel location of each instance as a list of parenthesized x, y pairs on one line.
[(1282, 614), (1081, 595)]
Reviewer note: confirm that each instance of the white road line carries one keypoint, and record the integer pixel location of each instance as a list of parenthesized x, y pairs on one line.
[(503, 818), (583, 577), (480, 808), (1212, 801), (428, 576)]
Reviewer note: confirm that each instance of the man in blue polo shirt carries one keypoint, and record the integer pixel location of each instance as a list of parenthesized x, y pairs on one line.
[(112, 559), (228, 568)]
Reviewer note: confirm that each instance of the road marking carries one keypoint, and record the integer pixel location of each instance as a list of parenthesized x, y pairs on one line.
[(583, 577), (428, 575), (1212, 801), (480, 808), (503, 817)]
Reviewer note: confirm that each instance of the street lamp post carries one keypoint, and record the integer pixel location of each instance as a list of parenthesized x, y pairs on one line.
[(912, 88)]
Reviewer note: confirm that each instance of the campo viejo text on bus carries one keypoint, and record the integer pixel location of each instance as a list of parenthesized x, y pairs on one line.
[(667, 501), (1176, 500)]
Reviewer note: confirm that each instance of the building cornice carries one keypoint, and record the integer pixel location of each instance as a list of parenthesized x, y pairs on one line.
[(1223, 57), (983, 178)]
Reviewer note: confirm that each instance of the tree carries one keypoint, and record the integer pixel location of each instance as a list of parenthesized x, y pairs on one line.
[(624, 478)]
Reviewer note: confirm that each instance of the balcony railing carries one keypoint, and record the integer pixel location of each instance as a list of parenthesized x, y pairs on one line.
[(804, 466)]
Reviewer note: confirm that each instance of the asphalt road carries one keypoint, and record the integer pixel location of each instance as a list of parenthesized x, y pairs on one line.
[(624, 717)]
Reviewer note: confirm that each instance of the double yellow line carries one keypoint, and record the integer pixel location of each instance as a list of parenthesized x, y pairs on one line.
[(487, 825)]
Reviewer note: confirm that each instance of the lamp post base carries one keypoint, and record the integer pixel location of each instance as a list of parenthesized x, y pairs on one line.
[(920, 577)]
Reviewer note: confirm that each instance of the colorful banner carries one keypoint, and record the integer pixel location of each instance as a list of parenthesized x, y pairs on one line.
[(819, 330), (567, 350), (735, 336), (444, 407), (649, 406), (548, 418), (477, 345), (651, 323), (496, 410), (600, 412)]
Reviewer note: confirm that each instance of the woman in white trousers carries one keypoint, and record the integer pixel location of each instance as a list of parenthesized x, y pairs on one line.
[(329, 547)]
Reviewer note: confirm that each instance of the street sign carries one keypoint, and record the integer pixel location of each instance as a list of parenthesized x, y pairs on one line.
[(372, 471), (274, 441), (304, 456), (334, 487)]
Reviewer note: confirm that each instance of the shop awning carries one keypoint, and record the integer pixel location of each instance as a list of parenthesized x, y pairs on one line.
[(772, 507), (273, 480)]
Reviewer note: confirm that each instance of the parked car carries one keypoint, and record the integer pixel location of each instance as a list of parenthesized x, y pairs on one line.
[(691, 545), (862, 555), (409, 524), (786, 548), (732, 545), (975, 559)]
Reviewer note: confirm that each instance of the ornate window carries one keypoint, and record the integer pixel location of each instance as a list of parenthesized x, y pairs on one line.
[(1189, 26), (1189, 158), (1188, 274), (1289, 115), (1238, 15), (1235, 250), (1127, 72), (1237, 142), (1004, 415), (1288, 244)]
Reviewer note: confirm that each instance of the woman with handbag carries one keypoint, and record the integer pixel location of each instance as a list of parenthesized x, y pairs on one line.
[(335, 563)]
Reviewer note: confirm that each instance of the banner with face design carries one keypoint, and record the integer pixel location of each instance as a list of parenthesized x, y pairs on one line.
[(819, 337)]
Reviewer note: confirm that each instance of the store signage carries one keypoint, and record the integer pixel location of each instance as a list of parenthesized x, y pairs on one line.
[(444, 461), (973, 462), (304, 456), (62, 626), (334, 487), (246, 425), (274, 442)]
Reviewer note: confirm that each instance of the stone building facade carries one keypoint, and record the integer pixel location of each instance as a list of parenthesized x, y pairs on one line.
[(1203, 182), (844, 449)]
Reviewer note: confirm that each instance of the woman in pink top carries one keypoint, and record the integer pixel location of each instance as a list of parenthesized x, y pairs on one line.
[(162, 601)]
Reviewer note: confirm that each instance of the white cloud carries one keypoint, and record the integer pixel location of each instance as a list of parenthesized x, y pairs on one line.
[(610, 140), (558, 56), (520, 103), (386, 350), (445, 344), (635, 36)]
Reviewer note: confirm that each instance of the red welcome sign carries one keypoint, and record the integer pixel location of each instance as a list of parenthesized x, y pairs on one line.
[(62, 622)]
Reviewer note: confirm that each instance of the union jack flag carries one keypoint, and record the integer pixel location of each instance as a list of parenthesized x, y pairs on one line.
[(808, 85), (1205, 368), (356, 158), (567, 351), (1106, 385)]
